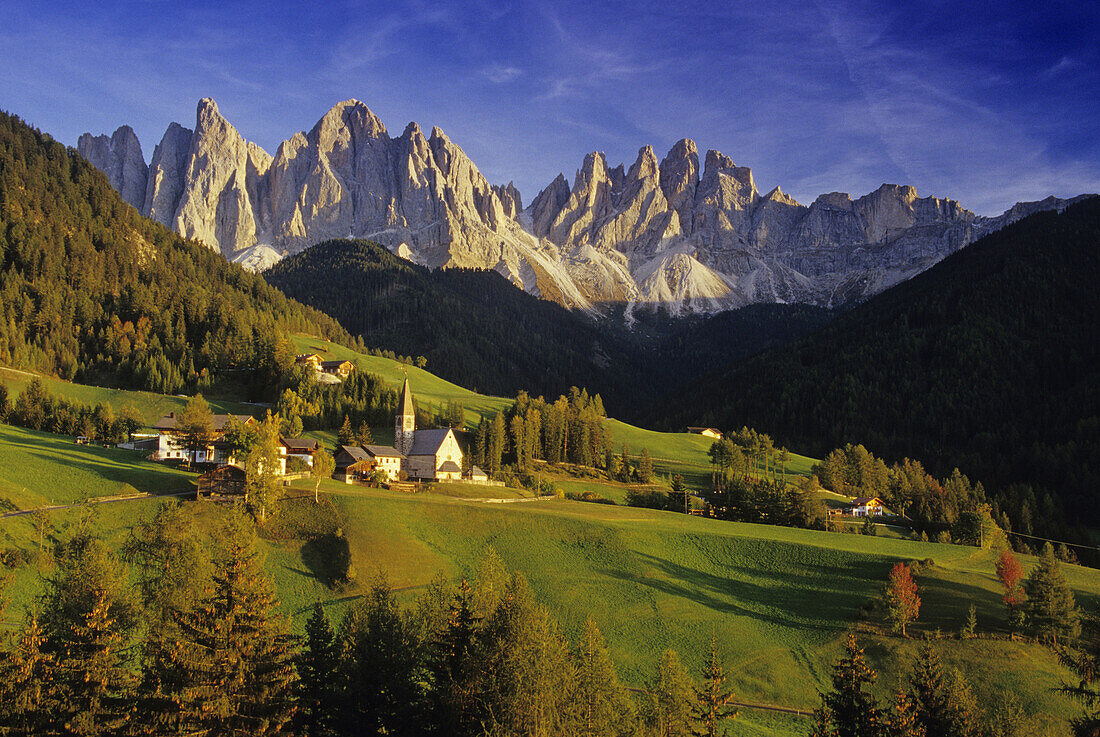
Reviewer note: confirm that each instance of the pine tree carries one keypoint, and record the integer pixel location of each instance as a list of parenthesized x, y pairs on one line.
[(28, 697), (670, 698), (902, 721), (713, 701), (601, 706), (971, 623), (1051, 610), (234, 654), (87, 619), (850, 710), (944, 703), (378, 668), (316, 666), (526, 666), (902, 599), (363, 435), (456, 669), (345, 435), (645, 467)]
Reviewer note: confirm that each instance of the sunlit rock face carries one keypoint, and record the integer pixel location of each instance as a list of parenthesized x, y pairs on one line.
[(659, 233)]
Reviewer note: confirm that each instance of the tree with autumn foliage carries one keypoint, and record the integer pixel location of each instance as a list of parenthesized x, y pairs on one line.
[(902, 599), (1011, 574)]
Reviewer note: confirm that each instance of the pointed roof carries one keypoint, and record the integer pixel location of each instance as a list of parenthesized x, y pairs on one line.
[(427, 442), (407, 399)]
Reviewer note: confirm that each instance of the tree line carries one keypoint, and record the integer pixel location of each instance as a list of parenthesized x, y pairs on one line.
[(568, 430), (92, 291), (181, 634), (987, 362)]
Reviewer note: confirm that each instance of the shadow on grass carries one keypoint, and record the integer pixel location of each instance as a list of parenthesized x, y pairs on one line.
[(817, 599), (144, 478)]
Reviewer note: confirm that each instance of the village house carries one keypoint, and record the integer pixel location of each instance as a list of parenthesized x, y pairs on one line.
[(223, 481), (708, 432), (342, 369), (312, 360), (329, 372), (170, 444), (867, 506), (299, 448), (360, 462)]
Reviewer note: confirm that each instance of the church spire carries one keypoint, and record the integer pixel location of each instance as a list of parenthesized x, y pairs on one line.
[(405, 422)]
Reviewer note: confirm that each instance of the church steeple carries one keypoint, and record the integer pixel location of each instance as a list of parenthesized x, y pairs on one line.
[(405, 421)]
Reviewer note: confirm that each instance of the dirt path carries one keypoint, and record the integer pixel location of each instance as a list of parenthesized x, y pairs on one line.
[(99, 500)]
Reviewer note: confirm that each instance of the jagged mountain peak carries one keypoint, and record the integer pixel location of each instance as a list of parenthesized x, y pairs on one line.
[(665, 232)]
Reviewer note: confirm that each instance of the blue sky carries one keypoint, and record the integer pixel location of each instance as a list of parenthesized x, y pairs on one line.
[(987, 103)]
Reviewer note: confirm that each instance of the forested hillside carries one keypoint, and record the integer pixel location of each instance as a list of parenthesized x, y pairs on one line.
[(90, 290), (988, 362), (478, 330)]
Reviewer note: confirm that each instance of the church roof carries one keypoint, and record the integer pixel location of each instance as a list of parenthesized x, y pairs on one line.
[(383, 451), (427, 442), (407, 399)]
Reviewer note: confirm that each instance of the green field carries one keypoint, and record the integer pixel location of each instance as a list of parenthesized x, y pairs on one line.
[(428, 388), (41, 469), (673, 453), (149, 405), (779, 600)]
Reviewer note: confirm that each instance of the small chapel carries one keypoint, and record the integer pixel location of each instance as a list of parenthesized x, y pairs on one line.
[(432, 455)]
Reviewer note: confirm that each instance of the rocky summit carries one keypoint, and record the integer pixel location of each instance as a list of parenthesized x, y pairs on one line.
[(659, 233)]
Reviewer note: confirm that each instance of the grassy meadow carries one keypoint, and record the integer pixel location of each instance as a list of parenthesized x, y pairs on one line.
[(778, 600)]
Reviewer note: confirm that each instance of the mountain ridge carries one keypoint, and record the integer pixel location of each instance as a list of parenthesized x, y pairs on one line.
[(655, 234)]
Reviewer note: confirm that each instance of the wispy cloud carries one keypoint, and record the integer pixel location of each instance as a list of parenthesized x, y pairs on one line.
[(498, 74)]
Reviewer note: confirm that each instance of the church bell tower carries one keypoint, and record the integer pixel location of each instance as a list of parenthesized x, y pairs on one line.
[(405, 422)]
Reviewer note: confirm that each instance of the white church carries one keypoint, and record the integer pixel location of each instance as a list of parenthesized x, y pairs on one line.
[(432, 455)]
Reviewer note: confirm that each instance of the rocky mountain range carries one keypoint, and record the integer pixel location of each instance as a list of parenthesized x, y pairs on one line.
[(656, 233)]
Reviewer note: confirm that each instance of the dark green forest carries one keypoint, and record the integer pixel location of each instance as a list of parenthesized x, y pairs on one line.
[(90, 290), (987, 362), (480, 331)]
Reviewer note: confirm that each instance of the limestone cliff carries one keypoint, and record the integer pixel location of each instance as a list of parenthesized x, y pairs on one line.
[(658, 233)]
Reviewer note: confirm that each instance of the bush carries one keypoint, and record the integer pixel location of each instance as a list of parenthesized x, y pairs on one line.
[(588, 496), (647, 499)]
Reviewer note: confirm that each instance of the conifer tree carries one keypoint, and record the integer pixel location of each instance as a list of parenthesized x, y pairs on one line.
[(345, 435), (316, 666), (712, 700), (363, 435), (526, 666), (602, 708), (670, 698), (86, 620), (378, 668), (929, 692), (645, 467), (234, 655), (850, 710), (28, 698), (456, 668), (1051, 610), (902, 721)]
